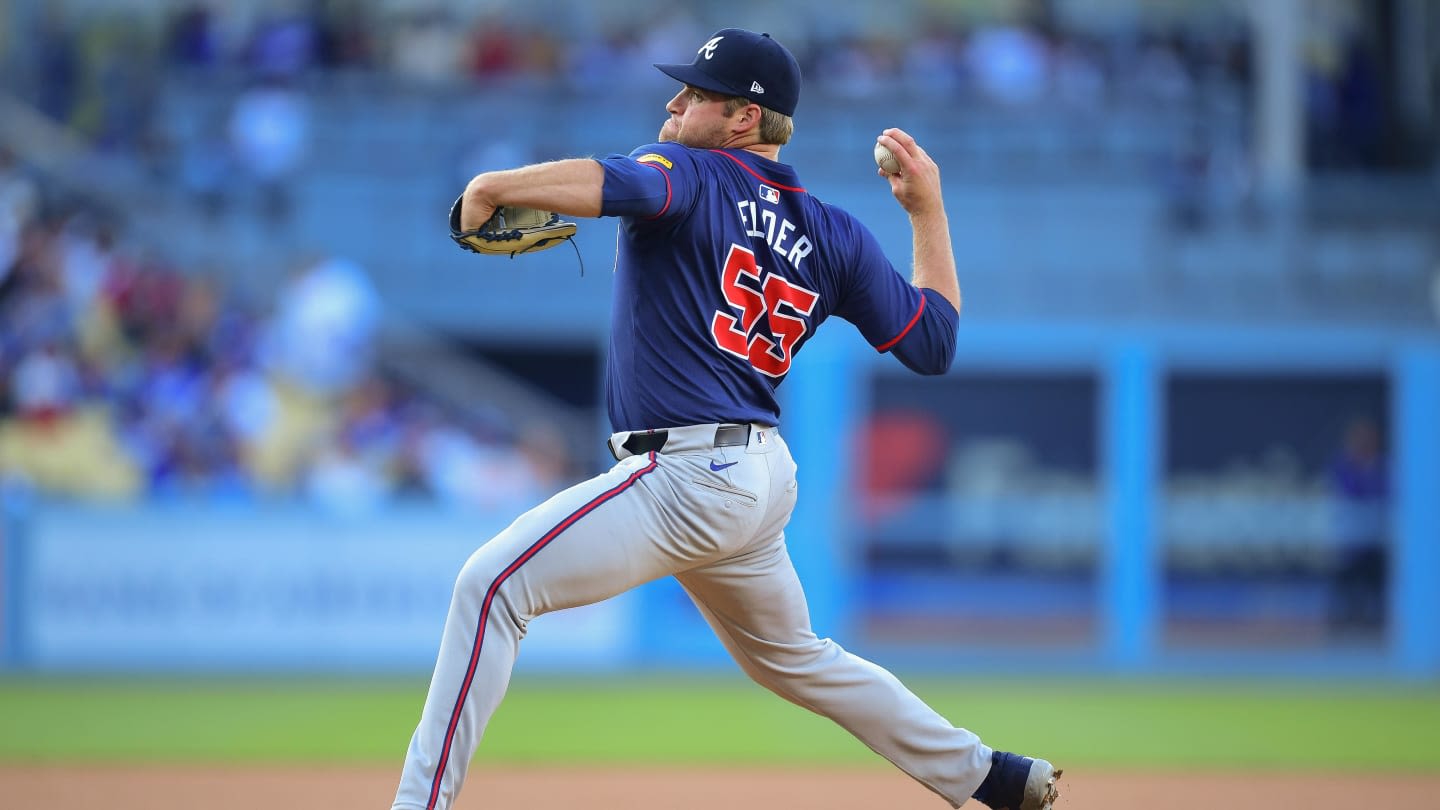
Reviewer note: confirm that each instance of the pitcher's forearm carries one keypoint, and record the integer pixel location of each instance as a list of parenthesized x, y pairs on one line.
[(570, 187), (935, 256)]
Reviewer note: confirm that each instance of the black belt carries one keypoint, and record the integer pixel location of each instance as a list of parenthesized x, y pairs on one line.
[(725, 436)]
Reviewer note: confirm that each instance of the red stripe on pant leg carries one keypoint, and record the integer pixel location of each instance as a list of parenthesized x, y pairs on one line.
[(490, 597)]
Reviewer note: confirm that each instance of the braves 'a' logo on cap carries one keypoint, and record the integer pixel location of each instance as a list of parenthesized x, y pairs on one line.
[(709, 48)]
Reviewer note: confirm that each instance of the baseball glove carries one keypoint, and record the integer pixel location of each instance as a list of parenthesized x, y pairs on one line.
[(511, 230)]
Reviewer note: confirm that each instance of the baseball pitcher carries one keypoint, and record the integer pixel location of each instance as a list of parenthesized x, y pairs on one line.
[(725, 267)]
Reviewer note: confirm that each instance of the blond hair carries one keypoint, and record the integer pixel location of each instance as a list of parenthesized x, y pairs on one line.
[(775, 127)]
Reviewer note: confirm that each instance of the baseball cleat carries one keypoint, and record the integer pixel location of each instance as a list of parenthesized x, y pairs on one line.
[(1040, 788), (1019, 783)]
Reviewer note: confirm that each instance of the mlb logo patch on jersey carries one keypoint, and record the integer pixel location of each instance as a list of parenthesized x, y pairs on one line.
[(654, 158), (769, 194)]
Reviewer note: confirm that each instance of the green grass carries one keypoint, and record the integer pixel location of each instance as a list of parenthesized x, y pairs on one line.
[(708, 721)]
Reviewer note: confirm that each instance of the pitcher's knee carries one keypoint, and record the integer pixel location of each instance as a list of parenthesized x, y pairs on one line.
[(483, 573), (477, 574)]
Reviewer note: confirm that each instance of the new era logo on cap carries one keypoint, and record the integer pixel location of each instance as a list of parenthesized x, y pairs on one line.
[(736, 69)]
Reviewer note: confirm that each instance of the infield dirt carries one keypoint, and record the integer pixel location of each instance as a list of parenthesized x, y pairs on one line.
[(156, 787)]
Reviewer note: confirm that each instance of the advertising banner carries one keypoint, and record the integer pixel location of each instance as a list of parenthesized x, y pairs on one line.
[(236, 590)]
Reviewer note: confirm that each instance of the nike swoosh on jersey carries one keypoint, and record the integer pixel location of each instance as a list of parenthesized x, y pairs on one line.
[(718, 467)]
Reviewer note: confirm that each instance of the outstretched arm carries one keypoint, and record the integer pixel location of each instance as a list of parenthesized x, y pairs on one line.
[(571, 187), (917, 189)]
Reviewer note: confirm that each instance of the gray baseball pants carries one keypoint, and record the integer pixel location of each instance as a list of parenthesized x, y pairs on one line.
[(712, 517)]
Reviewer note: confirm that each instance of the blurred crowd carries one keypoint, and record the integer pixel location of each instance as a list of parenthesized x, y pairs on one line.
[(1004, 61), (122, 376), (181, 387), (101, 74)]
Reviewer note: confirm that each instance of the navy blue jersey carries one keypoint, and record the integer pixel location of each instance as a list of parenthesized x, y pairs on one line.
[(725, 267)]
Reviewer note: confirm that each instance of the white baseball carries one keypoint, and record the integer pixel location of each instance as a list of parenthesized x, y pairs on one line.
[(885, 159)]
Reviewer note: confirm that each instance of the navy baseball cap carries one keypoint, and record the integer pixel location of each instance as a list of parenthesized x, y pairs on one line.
[(737, 62)]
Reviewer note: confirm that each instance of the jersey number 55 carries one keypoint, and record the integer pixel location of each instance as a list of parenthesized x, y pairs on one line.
[(785, 304)]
